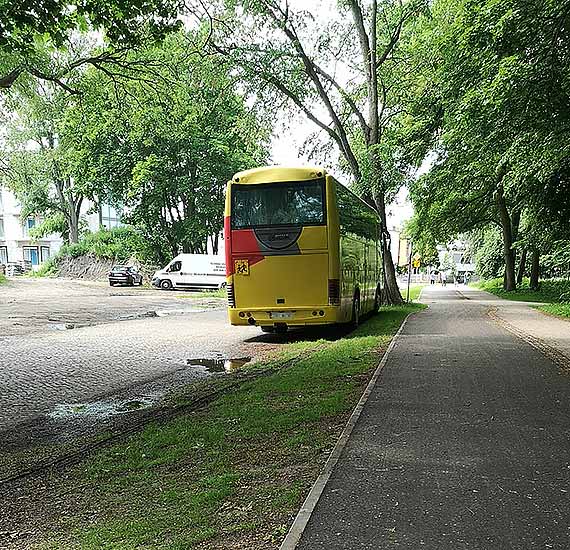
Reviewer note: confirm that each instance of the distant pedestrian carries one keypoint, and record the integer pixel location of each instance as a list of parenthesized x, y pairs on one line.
[(443, 278), (432, 279)]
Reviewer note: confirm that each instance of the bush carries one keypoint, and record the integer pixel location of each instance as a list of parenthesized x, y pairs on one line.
[(550, 290), (119, 244)]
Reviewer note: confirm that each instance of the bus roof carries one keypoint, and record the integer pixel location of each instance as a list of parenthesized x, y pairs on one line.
[(266, 174)]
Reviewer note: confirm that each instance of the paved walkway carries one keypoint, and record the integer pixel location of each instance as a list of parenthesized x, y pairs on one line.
[(463, 444)]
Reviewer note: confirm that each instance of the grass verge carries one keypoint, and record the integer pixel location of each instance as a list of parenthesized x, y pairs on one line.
[(415, 291), (560, 310), (232, 475), (3, 279), (550, 291)]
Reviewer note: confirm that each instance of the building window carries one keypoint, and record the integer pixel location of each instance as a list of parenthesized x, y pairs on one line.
[(31, 255), (44, 253), (30, 223), (3, 255), (110, 216)]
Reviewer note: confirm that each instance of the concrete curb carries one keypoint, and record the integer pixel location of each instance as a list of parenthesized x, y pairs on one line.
[(302, 519)]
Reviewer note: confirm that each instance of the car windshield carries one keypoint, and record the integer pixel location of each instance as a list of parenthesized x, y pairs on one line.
[(296, 203), (119, 268)]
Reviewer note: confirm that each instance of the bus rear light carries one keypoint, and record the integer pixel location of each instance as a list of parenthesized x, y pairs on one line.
[(231, 295), (334, 292)]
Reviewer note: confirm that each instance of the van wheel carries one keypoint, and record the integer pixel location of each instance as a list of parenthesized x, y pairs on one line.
[(356, 312), (166, 284)]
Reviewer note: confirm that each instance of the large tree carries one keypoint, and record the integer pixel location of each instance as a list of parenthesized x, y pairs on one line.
[(344, 75), (164, 149), (495, 92), (36, 168), (29, 27)]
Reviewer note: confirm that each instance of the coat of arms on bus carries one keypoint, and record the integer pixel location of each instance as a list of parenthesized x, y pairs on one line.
[(241, 267)]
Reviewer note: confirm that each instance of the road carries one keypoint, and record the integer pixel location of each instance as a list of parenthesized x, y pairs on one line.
[(114, 341), (462, 444)]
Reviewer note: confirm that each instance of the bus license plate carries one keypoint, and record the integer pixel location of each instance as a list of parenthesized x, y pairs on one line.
[(281, 315)]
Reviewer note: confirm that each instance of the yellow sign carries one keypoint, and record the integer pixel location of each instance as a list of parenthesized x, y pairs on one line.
[(241, 267), (416, 263)]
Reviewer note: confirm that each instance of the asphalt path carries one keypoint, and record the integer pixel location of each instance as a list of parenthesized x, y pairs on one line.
[(463, 444)]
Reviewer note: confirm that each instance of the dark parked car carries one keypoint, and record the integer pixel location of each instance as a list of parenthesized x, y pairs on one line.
[(125, 275)]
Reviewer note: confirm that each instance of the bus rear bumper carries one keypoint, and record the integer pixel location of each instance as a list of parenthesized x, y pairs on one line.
[(268, 317)]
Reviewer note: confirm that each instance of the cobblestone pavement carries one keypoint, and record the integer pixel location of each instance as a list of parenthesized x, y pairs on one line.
[(41, 367), (29, 306)]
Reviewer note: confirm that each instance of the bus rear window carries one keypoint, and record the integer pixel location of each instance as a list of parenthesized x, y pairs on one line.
[(286, 203)]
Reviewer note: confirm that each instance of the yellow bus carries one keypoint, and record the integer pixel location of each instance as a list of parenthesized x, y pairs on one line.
[(301, 249)]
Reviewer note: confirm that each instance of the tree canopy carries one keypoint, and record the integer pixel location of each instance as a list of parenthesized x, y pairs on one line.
[(495, 101)]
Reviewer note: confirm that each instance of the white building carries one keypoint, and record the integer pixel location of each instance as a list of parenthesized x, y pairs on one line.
[(16, 245), (459, 256)]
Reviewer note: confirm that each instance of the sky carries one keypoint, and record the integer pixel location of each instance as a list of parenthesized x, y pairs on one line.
[(285, 150)]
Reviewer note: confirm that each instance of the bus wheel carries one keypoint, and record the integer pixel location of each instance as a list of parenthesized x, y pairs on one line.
[(166, 284), (356, 312)]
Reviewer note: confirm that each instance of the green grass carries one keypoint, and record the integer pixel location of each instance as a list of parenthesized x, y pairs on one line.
[(550, 291), (3, 279), (237, 470), (554, 292), (560, 310), (415, 291)]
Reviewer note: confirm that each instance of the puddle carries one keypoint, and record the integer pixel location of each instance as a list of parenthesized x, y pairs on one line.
[(184, 311), (219, 365), (61, 326), (101, 409)]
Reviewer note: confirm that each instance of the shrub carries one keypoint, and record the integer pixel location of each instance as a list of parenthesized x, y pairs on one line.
[(119, 244)]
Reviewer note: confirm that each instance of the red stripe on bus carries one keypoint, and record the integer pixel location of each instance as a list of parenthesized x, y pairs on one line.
[(242, 246), (228, 245)]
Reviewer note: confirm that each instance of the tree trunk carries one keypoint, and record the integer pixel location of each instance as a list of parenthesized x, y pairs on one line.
[(535, 270), (215, 243), (522, 267), (391, 291), (73, 224), (510, 282)]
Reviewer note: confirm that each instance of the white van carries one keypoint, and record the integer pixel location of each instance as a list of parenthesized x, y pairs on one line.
[(192, 271)]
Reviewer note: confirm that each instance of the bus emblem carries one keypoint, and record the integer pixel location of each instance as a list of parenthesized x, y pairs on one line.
[(241, 267)]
